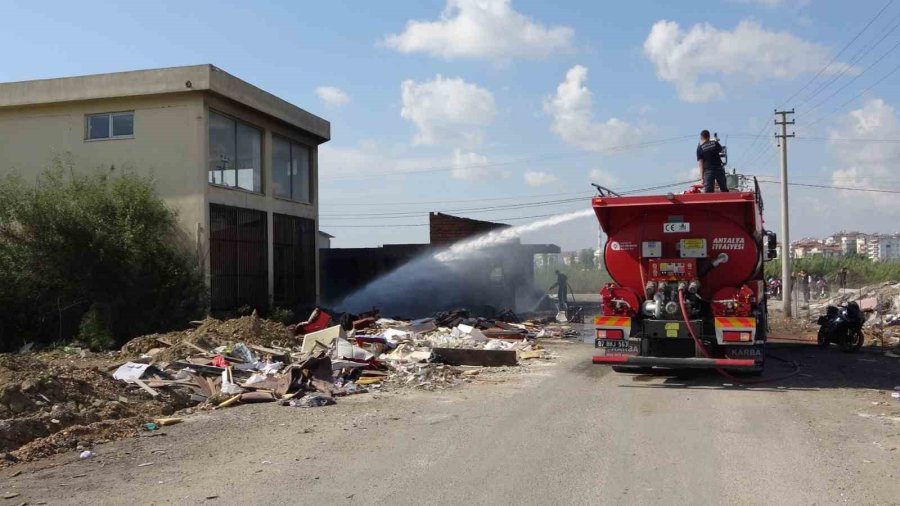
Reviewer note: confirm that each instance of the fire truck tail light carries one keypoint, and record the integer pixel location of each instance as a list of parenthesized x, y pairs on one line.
[(610, 334), (736, 337)]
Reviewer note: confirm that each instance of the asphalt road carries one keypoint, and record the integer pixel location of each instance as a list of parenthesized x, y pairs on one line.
[(565, 433)]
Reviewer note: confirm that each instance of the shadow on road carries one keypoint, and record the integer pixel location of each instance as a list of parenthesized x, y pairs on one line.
[(818, 369)]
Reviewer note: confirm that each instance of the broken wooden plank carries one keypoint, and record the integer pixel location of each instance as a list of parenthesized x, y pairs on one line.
[(194, 346), (251, 397), (144, 386), (487, 358), (526, 355), (230, 401), (164, 341), (505, 334), (369, 380)]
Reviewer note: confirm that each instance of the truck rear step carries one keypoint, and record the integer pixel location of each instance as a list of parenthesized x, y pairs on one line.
[(698, 363)]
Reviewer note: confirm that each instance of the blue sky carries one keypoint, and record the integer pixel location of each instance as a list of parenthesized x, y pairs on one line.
[(497, 103)]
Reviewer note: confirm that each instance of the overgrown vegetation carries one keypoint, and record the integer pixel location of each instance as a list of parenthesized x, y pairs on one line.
[(860, 270), (97, 255)]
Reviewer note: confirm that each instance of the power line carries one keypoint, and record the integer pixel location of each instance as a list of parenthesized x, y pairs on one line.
[(449, 168), (406, 214), (854, 97), (842, 88), (856, 58), (371, 216), (846, 46), (455, 201), (753, 152), (426, 224), (831, 187)]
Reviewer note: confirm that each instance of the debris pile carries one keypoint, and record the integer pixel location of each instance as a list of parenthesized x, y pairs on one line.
[(881, 304), (52, 406), (69, 404)]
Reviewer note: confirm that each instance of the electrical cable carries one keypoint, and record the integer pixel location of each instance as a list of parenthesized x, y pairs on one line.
[(847, 45), (657, 187), (856, 58), (450, 168), (751, 151)]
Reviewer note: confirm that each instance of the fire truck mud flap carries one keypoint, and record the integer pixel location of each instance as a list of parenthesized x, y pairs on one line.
[(675, 362)]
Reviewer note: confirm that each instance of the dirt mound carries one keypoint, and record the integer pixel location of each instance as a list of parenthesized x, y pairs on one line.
[(212, 333), (40, 399)]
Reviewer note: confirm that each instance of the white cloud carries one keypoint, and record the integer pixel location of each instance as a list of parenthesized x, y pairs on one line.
[(603, 178), (695, 60), (471, 167), (573, 119), (367, 158), (535, 178), (871, 164), (332, 95), (481, 29), (447, 111)]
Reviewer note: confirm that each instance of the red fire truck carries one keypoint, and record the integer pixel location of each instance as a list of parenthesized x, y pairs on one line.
[(687, 286)]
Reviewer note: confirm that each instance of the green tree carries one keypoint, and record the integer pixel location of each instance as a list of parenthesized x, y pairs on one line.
[(101, 246), (586, 259)]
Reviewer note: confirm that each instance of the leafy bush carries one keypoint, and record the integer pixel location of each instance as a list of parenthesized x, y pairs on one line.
[(860, 270), (103, 242), (282, 315), (94, 332)]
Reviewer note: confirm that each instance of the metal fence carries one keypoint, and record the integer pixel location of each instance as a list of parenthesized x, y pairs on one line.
[(238, 258)]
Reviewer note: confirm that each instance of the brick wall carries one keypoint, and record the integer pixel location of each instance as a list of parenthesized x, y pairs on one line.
[(447, 229)]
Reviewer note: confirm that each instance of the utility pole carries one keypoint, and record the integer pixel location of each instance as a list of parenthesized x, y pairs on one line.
[(786, 279)]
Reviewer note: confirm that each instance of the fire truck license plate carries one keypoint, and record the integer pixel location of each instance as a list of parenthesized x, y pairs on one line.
[(616, 346)]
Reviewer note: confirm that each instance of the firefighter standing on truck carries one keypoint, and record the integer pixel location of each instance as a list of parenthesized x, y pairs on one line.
[(710, 163)]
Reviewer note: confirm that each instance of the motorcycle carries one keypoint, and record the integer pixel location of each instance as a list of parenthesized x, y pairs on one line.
[(775, 289), (842, 325)]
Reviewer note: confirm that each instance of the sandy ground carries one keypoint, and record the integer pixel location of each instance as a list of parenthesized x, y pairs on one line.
[(563, 433)]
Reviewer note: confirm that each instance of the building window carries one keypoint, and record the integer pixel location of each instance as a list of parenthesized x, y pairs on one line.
[(291, 170), (238, 258), (294, 256), (109, 125), (235, 153)]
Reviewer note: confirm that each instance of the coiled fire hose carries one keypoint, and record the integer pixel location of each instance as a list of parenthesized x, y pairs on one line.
[(724, 373)]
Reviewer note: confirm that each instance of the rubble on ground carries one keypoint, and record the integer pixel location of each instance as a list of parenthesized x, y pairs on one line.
[(881, 304), (50, 403)]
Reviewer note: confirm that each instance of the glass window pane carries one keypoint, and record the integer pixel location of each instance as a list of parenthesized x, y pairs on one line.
[(98, 126), (220, 163), (281, 168), (249, 158), (123, 124), (300, 173)]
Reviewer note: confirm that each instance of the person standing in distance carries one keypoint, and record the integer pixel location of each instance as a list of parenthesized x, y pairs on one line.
[(711, 170)]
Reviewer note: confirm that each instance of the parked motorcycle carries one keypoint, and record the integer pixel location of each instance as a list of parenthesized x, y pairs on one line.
[(842, 325), (775, 289)]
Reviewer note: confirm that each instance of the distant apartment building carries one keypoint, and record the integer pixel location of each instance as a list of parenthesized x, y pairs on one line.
[(547, 259), (810, 247), (884, 247), (238, 164), (850, 243)]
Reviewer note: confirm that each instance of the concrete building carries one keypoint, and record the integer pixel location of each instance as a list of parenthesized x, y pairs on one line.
[(238, 164), (884, 247)]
